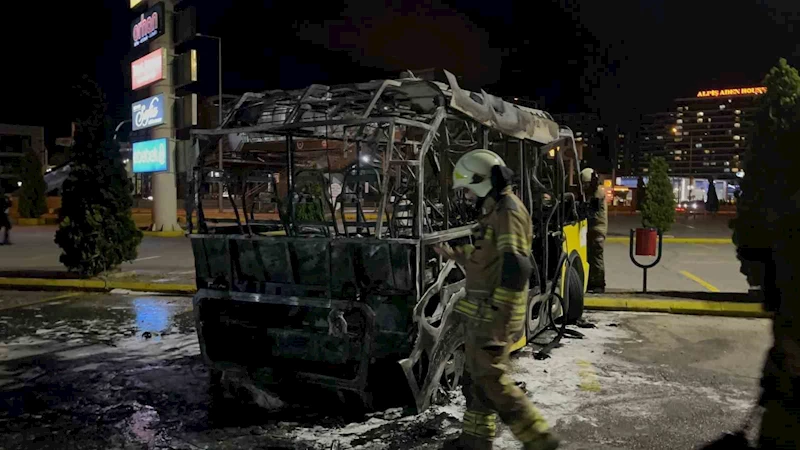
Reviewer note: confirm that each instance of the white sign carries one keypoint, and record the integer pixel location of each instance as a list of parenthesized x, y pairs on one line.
[(148, 112)]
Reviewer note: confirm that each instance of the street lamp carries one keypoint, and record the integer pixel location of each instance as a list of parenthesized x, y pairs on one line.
[(219, 77)]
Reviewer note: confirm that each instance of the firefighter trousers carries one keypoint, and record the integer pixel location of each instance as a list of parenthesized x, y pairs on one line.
[(597, 266), (491, 392)]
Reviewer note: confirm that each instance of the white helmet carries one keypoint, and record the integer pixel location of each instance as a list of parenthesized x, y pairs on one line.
[(474, 171), (586, 175)]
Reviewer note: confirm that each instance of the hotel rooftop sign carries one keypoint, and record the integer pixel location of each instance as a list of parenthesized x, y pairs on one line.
[(732, 92)]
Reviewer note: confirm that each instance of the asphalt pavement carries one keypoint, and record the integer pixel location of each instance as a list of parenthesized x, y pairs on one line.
[(104, 371), (685, 226), (694, 267), (35, 254)]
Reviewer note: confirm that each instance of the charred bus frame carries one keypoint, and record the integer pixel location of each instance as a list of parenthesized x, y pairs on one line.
[(334, 300)]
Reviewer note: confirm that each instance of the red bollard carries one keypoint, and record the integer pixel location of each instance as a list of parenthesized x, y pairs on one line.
[(646, 241)]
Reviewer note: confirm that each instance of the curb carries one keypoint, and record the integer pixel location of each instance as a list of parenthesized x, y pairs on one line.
[(693, 307), (97, 285), (165, 234), (625, 240)]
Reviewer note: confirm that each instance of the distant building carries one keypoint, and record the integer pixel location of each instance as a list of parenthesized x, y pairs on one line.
[(15, 140), (606, 148), (705, 136)]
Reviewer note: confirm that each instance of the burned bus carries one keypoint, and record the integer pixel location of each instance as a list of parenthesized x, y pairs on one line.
[(340, 288)]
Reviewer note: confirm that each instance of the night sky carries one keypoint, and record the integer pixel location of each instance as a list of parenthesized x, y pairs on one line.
[(570, 55)]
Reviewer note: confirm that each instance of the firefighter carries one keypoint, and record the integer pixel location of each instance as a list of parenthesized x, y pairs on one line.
[(598, 228), (497, 270), (5, 217)]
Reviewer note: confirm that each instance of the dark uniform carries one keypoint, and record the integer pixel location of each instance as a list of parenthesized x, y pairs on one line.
[(498, 269), (598, 228), (5, 220)]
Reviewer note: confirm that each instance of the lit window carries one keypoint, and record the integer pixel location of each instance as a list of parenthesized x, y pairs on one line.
[(677, 158), (645, 169), (705, 163), (622, 136), (679, 121), (709, 120), (659, 137), (680, 114), (727, 170), (727, 163), (680, 108), (685, 133), (698, 145), (677, 152), (700, 120), (721, 106), (579, 133), (737, 137), (713, 163), (738, 111), (737, 125), (647, 138), (707, 152), (735, 145), (734, 170), (701, 114), (578, 139), (599, 128)]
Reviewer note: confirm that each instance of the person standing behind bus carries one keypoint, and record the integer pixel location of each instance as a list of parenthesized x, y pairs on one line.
[(598, 228)]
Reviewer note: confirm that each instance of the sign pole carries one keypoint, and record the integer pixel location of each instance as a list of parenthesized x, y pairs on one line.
[(165, 201)]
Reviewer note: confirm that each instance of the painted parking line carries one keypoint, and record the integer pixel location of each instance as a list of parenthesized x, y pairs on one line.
[(588, 376), (699, 281), (146, 258)]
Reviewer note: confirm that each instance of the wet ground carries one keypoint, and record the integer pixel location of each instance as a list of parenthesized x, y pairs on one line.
[(105, 371)]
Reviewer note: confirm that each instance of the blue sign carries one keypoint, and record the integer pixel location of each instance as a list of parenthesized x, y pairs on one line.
[(150, 156), (148, 112)]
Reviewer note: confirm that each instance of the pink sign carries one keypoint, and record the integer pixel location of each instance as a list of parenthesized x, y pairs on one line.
[(147, 69)]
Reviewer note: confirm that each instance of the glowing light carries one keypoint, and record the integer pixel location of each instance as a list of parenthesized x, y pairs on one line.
[(19, 183), (365, 158)]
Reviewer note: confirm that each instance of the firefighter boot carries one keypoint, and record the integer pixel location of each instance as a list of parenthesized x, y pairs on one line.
[(546, 441)]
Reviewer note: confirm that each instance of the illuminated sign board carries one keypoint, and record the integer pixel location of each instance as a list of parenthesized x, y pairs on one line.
[(149, 25), (733, 92), (135, 3), (148, 69), (148, 112), (150, 156)]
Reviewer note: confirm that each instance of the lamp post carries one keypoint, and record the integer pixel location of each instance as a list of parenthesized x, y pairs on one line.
[(219, 77)]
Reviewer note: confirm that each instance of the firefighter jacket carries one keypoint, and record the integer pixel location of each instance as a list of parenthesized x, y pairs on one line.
[(498, 264), (598, 212)]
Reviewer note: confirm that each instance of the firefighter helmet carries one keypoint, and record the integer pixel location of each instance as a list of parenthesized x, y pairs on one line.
[(474, 171), (586, 175)]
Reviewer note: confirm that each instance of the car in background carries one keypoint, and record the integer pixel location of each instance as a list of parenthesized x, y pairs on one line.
[(691, 207)]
